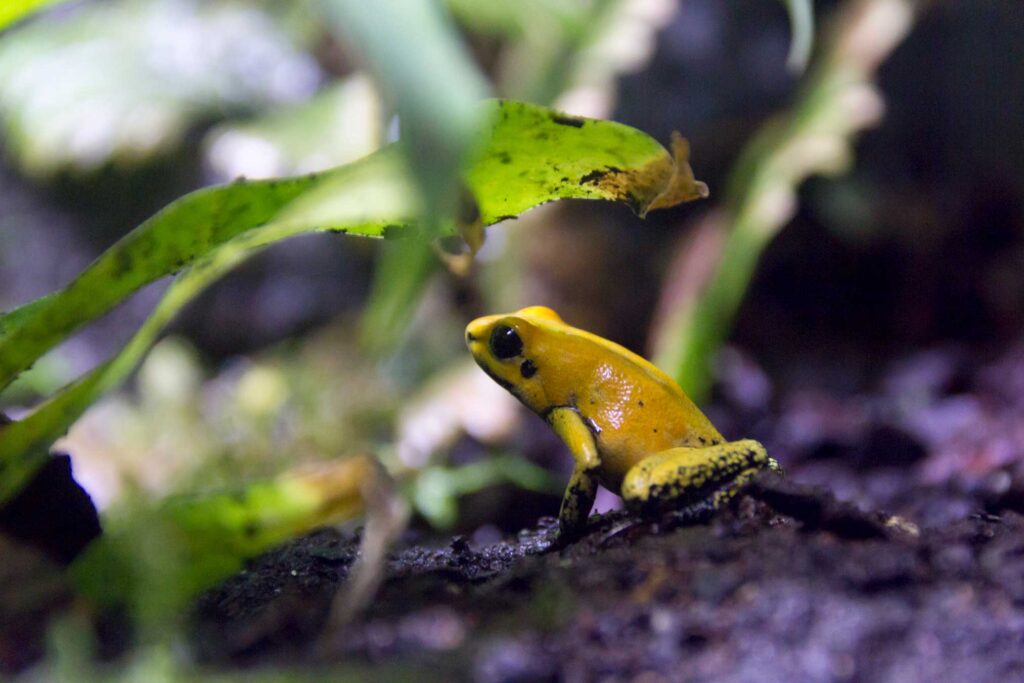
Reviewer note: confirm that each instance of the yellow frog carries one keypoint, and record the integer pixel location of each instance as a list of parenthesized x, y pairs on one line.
[(626, 423)]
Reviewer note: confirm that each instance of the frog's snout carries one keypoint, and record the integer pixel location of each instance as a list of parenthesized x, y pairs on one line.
[(476, 334)]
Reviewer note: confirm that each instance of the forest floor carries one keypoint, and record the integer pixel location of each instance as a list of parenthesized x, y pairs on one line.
[(919, 577)]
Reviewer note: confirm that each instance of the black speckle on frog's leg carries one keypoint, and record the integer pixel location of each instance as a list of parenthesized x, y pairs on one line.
[(682, 476), (641, 404), (528, 369)]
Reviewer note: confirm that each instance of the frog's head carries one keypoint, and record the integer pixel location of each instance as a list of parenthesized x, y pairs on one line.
[(507, 347)]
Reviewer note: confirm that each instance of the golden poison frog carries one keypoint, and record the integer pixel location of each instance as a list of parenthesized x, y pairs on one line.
[(628, 425)]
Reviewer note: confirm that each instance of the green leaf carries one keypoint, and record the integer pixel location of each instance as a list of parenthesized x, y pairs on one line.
[(195, 225), (537, 155), (531, 155), (436, 490), (414, 52), (161, 555), (801, 23), (421, 65), (13, 10), (227, 226)]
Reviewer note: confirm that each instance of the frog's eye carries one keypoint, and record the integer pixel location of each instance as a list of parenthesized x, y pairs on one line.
[(505, 343)]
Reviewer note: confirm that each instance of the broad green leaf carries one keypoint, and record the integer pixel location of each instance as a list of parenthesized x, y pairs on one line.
[(537, 155), (531, 155), (13, 10)]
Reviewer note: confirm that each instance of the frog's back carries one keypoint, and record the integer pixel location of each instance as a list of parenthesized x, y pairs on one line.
[(634, 408)]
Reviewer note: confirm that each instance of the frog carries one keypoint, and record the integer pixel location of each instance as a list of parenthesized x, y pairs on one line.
[(627, 424)]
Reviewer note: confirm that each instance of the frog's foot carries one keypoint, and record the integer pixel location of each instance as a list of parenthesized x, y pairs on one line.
[(695, 477)]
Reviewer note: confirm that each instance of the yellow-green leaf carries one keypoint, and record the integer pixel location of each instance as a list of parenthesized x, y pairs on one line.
[(531, 155)]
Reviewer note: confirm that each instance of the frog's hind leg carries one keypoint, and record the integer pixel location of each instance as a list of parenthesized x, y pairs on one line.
[(684, 477)]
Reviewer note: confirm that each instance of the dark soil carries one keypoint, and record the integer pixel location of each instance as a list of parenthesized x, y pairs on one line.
[(789, 585)]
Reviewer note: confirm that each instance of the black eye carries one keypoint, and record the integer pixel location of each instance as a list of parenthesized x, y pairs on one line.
[(505, 343)]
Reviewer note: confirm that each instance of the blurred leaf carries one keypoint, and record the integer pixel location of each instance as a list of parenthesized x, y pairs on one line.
[(618, 37), (13, 10), (532, 155), (515, 19), (124, 80), (801, 25), (156, 558), (815, 137), (418, 59), (437, 489), (338, 125), (403, 269), (363, 198), (542, 39)]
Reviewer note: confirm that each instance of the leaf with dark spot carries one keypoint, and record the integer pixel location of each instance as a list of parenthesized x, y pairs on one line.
[(207, 233)]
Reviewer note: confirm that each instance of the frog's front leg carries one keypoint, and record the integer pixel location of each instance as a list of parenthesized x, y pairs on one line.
[(579, 495), (687, 476)]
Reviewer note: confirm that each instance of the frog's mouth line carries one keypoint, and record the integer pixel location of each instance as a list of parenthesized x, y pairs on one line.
[(503, 383)]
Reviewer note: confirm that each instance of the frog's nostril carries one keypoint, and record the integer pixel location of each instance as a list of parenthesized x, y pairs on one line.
[(470, 338)]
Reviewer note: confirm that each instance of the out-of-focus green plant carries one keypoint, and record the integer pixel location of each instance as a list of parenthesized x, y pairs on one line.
[(340, 124), (156, 557), (801, 24), (529, 156), (436, 490), (419, 62), (814, 137), (123, 81), (14, 10)]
